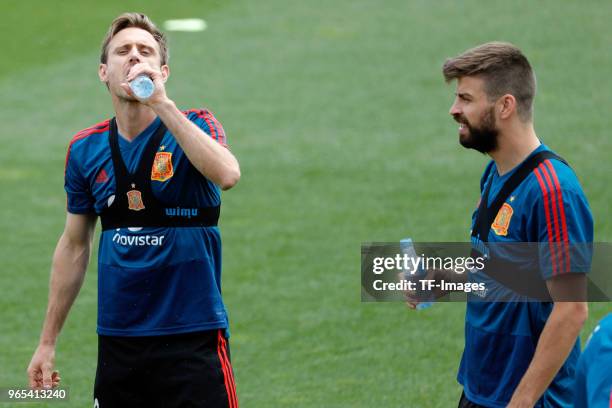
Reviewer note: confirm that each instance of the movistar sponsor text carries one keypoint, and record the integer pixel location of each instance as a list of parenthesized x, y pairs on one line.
[(138, 240)]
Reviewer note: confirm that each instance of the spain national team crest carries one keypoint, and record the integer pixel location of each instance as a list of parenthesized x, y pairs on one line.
[(162, 166), (135, 200), (502, 220)]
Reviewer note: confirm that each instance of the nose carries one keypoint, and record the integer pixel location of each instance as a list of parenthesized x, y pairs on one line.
[(454, 109), (134, 55)]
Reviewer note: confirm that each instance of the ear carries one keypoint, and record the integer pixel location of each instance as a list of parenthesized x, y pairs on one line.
[(165, 71), (506, 106), (102, 74)]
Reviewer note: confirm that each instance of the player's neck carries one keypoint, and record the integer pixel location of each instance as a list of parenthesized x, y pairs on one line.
[(132, 118), (514, 146)]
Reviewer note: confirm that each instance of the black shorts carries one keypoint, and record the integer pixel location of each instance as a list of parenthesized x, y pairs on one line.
[(463, 403), (182, 370)]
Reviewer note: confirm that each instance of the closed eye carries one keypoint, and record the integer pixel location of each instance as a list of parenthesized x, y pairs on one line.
[(146, 51)]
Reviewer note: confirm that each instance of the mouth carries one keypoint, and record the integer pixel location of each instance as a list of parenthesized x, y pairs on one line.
[(128, 69)]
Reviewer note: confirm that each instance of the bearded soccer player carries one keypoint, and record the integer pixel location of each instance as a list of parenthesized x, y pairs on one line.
[(153, 175), (518, 354)]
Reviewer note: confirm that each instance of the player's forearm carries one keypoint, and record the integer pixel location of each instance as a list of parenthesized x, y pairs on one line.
[(211, 159), (556, 341), (67, 273)]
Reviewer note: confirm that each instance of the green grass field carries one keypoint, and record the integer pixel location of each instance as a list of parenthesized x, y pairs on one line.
[(338, 114)]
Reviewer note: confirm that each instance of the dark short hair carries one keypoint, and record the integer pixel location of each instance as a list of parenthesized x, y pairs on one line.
[(504, 69)]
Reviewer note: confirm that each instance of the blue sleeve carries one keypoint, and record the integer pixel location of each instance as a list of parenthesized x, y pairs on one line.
[(563, 221), (79, 198), (206, 121)]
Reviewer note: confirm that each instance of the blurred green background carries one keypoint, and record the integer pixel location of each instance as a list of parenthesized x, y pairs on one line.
[(338, 113)]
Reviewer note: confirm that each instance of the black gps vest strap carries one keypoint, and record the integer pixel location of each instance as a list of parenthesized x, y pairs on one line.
[(148, 156), (135, 205), (486, 214)]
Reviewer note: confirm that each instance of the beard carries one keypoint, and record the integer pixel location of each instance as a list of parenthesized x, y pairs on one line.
[(482, 137)]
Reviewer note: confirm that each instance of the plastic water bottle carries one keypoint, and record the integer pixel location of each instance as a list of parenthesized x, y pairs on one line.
[(142, 86), (407, 247)]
